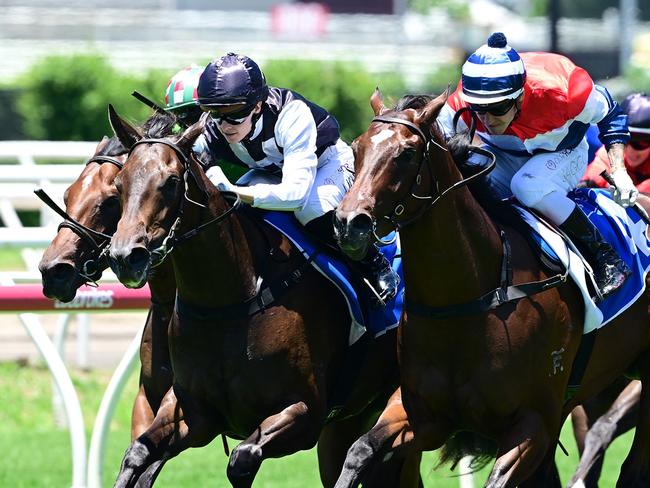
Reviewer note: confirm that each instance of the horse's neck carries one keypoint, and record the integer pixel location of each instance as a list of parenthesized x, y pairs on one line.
[(453, 253), (215, 268), (162, 283)]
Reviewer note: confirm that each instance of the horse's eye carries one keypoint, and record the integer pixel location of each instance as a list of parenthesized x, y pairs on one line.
[(406, 157), (111, 204), (171, 184)]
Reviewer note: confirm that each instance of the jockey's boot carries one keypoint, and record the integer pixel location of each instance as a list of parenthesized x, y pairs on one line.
[(379, 275), (374, 267), (609, 269)]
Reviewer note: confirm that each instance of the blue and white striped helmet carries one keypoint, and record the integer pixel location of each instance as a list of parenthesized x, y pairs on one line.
[(493, 73)]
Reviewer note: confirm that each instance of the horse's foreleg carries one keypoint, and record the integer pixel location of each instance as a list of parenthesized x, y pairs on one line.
[(636, 468), (521, 450), (156, 375), (391, 436), (173, 430), (337, 437), (291, 430), (620, 417), (142, 414)]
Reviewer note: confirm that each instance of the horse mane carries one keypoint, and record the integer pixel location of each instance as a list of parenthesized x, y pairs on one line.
[(412, 101), (459, 148), (160, 124)]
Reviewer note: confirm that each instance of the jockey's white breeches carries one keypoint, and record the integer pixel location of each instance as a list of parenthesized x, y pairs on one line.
[(541, 181), (334, 177)]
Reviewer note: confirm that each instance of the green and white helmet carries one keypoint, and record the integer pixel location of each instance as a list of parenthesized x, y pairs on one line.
[(181, 89)]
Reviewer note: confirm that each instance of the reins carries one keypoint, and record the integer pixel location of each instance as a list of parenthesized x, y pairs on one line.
[(98, 241), (506, 292), (433, 199), (264, 296), (172, 240)]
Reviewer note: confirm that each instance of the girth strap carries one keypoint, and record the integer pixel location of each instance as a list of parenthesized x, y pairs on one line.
[(262, 300), (492, 299)]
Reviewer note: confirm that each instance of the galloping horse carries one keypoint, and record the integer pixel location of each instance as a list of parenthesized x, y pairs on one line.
[(258, 337), (467, 367), (73, 258)]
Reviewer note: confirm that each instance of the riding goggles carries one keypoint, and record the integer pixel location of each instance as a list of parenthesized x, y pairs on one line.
[(496, 109), (232, 118), (640, 145)]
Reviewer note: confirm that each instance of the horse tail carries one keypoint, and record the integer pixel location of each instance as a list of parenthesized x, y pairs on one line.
[(465, 443)]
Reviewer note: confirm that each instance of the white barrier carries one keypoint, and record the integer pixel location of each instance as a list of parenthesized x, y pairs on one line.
[(18, 181), (86, 467)]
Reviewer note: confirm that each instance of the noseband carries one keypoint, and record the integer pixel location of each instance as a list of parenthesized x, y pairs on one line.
[(430, 200), (159, 254), (98, 241)]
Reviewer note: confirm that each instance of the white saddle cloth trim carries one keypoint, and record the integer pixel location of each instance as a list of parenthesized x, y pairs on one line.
[(571, 260)]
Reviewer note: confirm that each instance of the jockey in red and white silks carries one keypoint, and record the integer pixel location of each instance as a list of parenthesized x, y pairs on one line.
[(533, 111)]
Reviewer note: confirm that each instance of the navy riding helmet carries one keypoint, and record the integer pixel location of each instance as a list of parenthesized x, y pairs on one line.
[(637, 108), (232, 79)]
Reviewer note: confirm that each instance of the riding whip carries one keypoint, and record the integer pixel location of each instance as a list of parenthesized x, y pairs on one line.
[(148, 102), (640, 210)]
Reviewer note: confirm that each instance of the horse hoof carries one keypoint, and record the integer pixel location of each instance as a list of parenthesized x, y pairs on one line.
[(243, 465)]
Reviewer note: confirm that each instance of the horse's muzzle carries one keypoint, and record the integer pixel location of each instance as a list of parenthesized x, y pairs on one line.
[(131, 265), (353, 233), (60, 280)]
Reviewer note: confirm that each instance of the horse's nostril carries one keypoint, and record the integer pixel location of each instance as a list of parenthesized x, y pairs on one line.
[(138, 258), (360, 224), (61, 272)]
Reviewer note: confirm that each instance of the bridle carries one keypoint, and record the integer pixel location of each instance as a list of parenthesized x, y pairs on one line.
[(429, 200), (506, 291), (171, 240), (98, 241)]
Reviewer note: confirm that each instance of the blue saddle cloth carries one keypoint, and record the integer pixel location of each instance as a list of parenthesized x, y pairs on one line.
[(364, 317), (625, 230)]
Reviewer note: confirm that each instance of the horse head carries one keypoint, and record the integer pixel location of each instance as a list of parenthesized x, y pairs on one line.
[(151, 189), (73, 258), (392, 174)]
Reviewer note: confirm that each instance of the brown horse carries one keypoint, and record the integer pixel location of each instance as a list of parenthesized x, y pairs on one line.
[(492, 367), (75, 257), (258, 337)]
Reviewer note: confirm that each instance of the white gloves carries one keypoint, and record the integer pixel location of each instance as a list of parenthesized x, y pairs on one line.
[(218, 179), (624, 192)]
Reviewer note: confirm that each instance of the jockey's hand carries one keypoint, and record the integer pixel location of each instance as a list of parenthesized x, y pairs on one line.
[(218, 178), (624, 192)]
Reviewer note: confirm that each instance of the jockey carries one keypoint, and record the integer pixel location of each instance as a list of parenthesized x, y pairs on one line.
[(637, 150), (533, 111), (181, 97), (297, 161)]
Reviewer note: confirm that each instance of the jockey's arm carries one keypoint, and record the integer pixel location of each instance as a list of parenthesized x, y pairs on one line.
[(615, 153), (614, 134), (295, 132)]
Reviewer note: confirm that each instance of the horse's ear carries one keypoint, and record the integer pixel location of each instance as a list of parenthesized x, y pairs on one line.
[(189, 135), (377, 102), (430, 110), (101, 144), (126, 133)]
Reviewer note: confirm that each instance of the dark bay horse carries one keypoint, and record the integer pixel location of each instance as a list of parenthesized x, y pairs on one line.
[(74, 258), (258, 337), (496, 373)]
